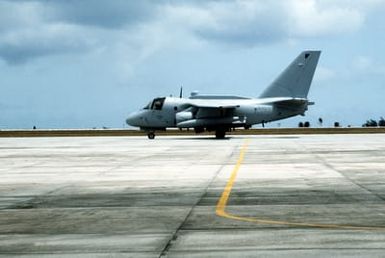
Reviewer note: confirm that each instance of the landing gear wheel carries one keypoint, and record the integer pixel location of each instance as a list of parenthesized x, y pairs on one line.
[(151, 135), (220, 134)]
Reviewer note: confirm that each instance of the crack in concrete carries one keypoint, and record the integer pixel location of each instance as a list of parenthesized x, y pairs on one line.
[(175, 234)]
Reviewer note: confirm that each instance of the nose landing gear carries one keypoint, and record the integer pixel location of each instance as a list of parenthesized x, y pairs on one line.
[(151, 135)]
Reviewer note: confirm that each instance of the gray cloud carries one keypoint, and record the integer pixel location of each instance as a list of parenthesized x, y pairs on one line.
[(258, 22), (20, 54), (242, 37), (243, 23), (102, 13), (21, 45), (35, 28), (31, 29)]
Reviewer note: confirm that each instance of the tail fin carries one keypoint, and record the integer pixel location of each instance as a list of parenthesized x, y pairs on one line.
[(295, 80)]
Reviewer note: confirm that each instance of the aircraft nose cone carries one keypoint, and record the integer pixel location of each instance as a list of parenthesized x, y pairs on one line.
[(132, 119)]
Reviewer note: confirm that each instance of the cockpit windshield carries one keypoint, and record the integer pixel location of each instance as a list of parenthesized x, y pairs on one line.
[(157, 103), (147, 106)]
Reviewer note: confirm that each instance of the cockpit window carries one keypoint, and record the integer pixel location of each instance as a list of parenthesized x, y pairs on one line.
[(147, 106), (157, 104)]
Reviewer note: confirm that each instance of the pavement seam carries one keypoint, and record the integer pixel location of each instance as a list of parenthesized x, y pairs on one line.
[(175, 234), (330, 166)]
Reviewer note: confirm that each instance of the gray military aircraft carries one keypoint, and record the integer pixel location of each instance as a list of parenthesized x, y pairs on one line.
[(285, 97)]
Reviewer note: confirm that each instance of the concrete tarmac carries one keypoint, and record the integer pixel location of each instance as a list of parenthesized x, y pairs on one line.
[(293, 195)]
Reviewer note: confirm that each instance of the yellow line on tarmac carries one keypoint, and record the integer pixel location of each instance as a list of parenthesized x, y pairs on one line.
[(221, 206), (223, 200)]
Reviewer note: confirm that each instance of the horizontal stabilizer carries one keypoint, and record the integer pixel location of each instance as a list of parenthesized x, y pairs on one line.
[(292, 102)]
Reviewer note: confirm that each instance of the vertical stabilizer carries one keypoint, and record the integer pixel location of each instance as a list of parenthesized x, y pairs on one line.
[(295, 80)]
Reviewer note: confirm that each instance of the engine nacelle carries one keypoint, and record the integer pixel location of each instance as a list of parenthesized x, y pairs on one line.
[(210, 122), (183, 116)]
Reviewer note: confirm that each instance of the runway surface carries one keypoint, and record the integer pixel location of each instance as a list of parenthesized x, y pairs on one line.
[(246, 196)]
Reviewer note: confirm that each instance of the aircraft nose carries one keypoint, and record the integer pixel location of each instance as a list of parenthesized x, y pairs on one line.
[(133, 119)]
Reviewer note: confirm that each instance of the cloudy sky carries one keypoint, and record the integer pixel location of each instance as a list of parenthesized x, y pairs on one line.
[(88, 63)]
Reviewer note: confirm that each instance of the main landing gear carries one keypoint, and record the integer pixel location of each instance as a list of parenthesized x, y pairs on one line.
[(220, 133)]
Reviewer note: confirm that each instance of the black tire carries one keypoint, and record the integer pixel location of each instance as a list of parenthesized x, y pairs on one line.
[(151, 135), (199, 129), (220, 134)]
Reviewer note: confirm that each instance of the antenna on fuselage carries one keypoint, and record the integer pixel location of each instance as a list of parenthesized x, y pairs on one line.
[(181, 92)]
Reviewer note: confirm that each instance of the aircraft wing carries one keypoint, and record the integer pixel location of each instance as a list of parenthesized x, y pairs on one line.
[(218, 104), (209, 112), (284, 101), (231, 104)]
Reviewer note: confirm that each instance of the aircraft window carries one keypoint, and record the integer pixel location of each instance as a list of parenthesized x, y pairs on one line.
[(307, 55), (147, 106), (157, 104)]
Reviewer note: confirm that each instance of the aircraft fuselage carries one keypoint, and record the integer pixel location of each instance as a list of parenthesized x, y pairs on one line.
[(179, 112)]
